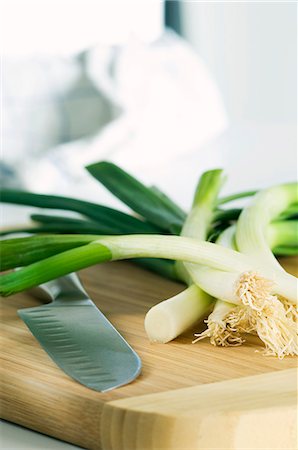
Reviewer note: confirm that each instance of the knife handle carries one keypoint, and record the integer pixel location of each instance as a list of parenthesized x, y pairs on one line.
[(68, 285)]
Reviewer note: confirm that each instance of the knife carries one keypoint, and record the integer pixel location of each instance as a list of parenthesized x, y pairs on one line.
[(79, 338)]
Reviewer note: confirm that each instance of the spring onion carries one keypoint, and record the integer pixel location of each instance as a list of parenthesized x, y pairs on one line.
[(255, 218), (169, 318), (225, 255), (274, 321), (147, 202), (109, 217), (229, 262)]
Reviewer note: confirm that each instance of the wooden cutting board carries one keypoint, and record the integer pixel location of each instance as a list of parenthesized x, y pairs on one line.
[(35, 393)]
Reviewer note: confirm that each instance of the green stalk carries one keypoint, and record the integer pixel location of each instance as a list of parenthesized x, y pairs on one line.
[(226, 215), (49, 218), (168, 202), (282, 237), (169, 318), (147, 202), (64, 227), (24, 251), (120, 247), (230, 198), (176, 248), (202, 212), (227, 324), (197, 224), (291, 213), (53, 267), (255, 219), (283, 250), (227, 238), (115, 220), (282, 233), (198, 220), (139, 246)]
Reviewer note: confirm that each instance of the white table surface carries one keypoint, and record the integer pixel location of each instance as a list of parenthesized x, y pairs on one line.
[(254, 156), (14, 437)]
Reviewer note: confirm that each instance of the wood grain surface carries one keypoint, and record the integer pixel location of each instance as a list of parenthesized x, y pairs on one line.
[(248, 413), (37, 394)]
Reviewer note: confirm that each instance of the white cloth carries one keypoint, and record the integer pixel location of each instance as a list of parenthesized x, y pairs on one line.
[(143, 106)]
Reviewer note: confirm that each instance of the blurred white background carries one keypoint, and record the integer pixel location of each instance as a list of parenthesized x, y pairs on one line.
[(85, 80), (90, 79), (251, 48), (66, 27)]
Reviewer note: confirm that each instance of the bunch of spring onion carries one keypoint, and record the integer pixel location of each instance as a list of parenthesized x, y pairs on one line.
[(237, 278)]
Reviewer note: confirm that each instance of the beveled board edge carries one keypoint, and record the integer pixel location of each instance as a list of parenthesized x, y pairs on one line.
[(256, 412)]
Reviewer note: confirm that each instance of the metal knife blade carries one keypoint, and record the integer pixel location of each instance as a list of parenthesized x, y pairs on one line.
[(79, 338)]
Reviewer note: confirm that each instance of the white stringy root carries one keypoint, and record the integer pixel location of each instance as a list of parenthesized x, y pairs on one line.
[(291, 310), (272, 319), (226, 331)]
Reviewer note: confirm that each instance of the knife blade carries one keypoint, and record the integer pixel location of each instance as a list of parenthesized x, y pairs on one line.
[(79, 338)]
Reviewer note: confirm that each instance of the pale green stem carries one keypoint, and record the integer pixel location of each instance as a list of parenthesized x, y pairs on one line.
[(282, 233), (169, 318), (138, 246), (253, 222)]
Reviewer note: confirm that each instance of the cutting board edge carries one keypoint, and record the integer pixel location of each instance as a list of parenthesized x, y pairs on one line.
[(163, 420)]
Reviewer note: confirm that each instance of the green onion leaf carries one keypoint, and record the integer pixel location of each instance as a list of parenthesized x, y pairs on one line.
[(230, 198), (24, 251), (284, 250), (115, 220), (143, 200), (54, 267)]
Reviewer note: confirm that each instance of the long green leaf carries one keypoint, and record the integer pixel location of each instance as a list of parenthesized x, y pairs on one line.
[(73, 225), (168, 202), (54, 267), (143, 200), (24, 251), (21, 252), (49, 218), (290, 214), (224, 215), (115, 220), (61, 225), (230, 198), (285, 251)]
